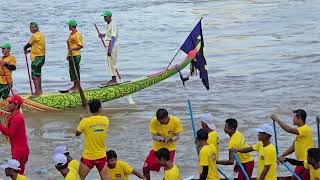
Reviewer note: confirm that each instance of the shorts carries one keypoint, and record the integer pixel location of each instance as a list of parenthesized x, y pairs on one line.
[(23, 159), (302, 172), (99, 163), (72, 73), (248, 166), (4, 91), (36, 66), (151, 162)]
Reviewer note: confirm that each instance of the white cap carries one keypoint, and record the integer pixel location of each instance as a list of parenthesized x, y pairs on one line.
[(265, 128), (12, 163), (61, 150), (208, 119), (59, 159)]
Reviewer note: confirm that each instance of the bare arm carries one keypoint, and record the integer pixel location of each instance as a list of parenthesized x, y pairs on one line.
[(289, 151), (204, 174), (138, 174), (245, 150), (158, 138), (264, 172), (284, 126), (228, 162)]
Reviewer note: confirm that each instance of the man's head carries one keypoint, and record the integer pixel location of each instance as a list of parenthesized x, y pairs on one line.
[(313, 156), (107, 15), (163, 156), (299, 117), (6, 48), (265, 132), (162, 116), (202, 136), (34, 27), (72, 24), (230, 126), (62, 150), (111, 159), (11, 167), (207, 121), (14, 103), (94, 106), (61, 163)]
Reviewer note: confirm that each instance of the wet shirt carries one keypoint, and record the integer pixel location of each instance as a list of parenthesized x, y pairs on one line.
[(38, 45), (5, 73)]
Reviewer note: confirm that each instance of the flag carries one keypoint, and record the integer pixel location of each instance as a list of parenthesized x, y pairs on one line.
[(195, 41)]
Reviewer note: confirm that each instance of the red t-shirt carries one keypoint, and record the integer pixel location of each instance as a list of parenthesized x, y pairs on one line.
[(16, 131)]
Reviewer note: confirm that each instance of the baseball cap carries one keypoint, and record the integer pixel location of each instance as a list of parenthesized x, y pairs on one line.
[(6, 46), (15, 99), (208, 119), (12, 163), (265, 128), (59, 159), (106, 13), (72, 22), (61, 150)]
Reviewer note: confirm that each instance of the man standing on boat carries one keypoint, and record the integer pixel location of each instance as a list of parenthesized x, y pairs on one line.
[(8, 64), (111, 45), (165, 132), (95, 130), (15, 130), (37, 55), (237, 141), (301, 144), (74, 44)]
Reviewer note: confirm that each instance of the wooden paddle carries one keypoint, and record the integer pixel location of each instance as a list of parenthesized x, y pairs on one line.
[(26, 57), (83, 97), (318, 130)]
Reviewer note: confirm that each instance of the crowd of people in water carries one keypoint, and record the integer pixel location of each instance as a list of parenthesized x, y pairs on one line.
[(165, 131)]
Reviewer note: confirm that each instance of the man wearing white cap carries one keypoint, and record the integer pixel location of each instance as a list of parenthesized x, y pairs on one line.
[(207, 123), (72, 163), (12, 167), (267, 156), (61, 164)]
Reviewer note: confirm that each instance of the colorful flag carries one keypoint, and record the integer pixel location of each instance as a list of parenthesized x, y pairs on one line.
[(195, 41)]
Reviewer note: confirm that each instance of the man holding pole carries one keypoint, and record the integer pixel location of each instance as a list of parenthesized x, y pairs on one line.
[(8, 64), (302, 142), (111, 45), (37, 55), (74, 44)]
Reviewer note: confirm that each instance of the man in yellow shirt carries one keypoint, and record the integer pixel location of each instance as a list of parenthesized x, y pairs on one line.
[(61, 164), (208, 124), (37, 55), (237, 141), (119, 169), (165, 131), (74, 44), (11, 169), (72, 163), (267, 155), (302, 142), (8, 64), (95, 130), (207, 157), (171, 171)]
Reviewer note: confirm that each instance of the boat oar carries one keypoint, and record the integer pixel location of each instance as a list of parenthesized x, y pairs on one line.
[(236, 157), (31, 89), (130, 100), (195, 135), (318, 130), (83, 97), (277, 150)]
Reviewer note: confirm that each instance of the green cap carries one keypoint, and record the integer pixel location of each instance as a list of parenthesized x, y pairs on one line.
[(34, 24), (106, 13), (72, 22), (6, 46)]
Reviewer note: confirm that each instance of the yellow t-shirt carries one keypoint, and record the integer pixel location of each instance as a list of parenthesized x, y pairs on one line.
[(38, 45), (207, 157), (74, 164), (95, 132), (237, 141), (266, 156), (72, 175), (213, 138), (169, 130), (74, 41), (5, 73), (314, 174), (121, 171), (172, 174), (21, 177), (303, 142)]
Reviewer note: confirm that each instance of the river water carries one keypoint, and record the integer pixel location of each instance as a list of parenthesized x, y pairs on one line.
[(262, 55)]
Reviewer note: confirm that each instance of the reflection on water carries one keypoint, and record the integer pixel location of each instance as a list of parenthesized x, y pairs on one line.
[(262, 58)]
